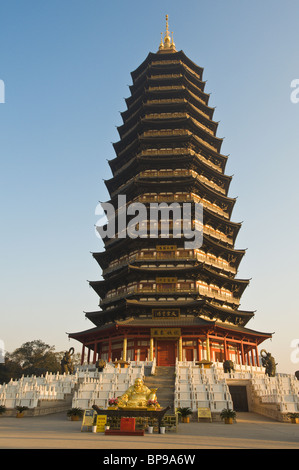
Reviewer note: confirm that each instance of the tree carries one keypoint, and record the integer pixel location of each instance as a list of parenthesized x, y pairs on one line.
[(34, 357)]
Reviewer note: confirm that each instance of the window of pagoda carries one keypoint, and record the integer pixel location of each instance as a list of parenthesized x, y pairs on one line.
[(147, 286), (182, 253), (147, 254)]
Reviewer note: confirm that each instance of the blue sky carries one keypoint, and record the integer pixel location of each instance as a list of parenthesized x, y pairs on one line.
[(66, 67)]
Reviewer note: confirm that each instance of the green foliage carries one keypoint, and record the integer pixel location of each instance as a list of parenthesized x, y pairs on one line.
[(227, 413), (184, 412), (2, 409), (31, 358), (36, 357), (75, 412), (20, 409)]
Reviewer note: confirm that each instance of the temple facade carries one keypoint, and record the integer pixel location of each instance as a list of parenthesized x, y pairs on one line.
[(160, 297)]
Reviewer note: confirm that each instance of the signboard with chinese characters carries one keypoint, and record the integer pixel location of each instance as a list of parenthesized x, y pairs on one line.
[(166, 280), (101, 423), (166, 247), (165, 313), (166, 333)]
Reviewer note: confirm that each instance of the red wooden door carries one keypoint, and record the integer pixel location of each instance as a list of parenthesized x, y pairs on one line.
[(189, 354), (166, 353)]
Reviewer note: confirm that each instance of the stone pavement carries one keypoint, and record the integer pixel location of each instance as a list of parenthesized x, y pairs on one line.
[(251, 431)]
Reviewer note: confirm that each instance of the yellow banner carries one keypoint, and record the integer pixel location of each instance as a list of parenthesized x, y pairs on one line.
[(101, 422)]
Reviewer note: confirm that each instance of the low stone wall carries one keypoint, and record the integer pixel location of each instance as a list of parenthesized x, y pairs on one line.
[(45, 407), (270, 410)]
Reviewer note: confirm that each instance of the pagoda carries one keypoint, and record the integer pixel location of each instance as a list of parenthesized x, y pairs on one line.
[(158, 297)]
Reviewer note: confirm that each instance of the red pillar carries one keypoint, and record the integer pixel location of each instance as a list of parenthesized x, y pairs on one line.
[(198, 350), (242, 353), (257, 356), (109, 350), (225, 349), (82, 354), (95, 352)]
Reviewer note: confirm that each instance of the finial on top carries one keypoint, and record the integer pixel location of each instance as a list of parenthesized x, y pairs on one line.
[(167, 45)]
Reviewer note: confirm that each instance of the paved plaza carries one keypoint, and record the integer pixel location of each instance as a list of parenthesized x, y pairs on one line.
[(251, 431)]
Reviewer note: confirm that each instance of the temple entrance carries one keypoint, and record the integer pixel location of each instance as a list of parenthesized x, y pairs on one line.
[(166, 353), (239, 397)]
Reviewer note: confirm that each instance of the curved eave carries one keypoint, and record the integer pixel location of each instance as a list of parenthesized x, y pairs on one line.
[(125, 154), (217, 218), (190, 104), (186, 124), (179, 55), (130, 188), (150, 87), (189, 159), (228, 312), (155, 74), (161, 304), (102, 258), (143, 161), (185, 139), (198, 267), (258, 335), (92, 332), (129, 127), (100, 287), (124, 244), (128, 271), (104, 329)]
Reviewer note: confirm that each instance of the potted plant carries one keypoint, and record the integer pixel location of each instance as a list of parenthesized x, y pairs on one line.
[(20, 411), (2, 409), (113, 403), (75, 414), (185, 414), (294, 417), (228, 415)]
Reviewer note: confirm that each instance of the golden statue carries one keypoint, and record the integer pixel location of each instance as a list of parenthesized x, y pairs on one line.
[(138, 396)]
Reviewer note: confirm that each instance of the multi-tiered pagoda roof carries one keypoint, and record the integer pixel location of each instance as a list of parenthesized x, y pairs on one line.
[(168, 152)]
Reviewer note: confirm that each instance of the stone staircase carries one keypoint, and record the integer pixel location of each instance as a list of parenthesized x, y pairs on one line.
[(163, 380)]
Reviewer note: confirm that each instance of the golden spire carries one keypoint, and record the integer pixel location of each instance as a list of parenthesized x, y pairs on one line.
[(168, 44), (161, 43), (167, 37)]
